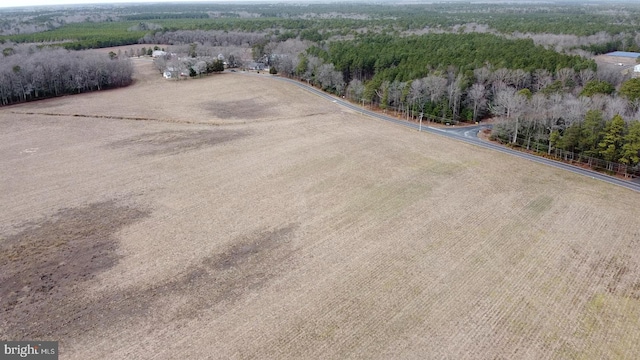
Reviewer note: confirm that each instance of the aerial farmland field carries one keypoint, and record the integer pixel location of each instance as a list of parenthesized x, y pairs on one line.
[(236, 216)]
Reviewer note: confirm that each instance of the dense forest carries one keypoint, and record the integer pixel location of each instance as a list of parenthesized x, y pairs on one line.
[(388, 58), (530, 66), (319, 21)]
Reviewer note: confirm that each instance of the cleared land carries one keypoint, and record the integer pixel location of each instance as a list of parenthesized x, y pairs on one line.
[(247, 219), (616, 63)]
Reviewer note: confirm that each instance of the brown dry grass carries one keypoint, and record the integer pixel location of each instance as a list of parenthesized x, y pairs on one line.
[(248, 219)]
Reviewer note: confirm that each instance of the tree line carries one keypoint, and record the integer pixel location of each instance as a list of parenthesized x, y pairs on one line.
[(207, 37), (86, 35), (612, 145), (322, 22), (540, 109), (577, 19), (177, 15), (599, 127), (614, 141), (32, 74)]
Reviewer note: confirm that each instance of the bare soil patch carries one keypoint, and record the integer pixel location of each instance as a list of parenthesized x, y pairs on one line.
[(615, 63), (615, 60), (245, 109), (173, 142), (47, 261)]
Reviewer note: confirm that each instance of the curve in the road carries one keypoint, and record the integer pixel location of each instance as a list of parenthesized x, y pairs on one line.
[(464, 137)]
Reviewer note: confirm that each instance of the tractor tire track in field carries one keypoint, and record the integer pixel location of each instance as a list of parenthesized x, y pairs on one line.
[(177, 141), (92, 116)]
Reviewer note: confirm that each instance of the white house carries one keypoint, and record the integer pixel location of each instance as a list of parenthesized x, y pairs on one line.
[(170, 73), (256, 66), (158, 53), (636, 71)]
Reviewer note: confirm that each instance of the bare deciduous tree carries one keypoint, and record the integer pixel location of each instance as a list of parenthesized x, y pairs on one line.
[(482, 75), (35, 74), (566, 76), (313, 63), (586, 75), (610, 74), (541, 79), (478, 96), (337, 81), (520, 79), (616, 106), (510, 104), (355, 90), (574, 109), (324, 76), (418, 93), (454, 90), (499, 79), (395, 93), (556, 111), (286, 55), (211, 38), (435, 87)]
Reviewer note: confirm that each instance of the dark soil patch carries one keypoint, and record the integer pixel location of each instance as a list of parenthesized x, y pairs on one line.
[(616, 275), (222, 278), (239, 109), (43, 266), (45, 293), (175, 142)]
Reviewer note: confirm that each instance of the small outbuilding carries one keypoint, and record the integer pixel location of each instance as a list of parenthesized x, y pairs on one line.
[(624, 54)]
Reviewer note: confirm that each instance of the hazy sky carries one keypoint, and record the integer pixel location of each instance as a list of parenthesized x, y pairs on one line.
[(21, 3)]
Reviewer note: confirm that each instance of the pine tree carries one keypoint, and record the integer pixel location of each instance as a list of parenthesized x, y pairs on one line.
[(631, 147), (631, 89), (591, 133), (611, 145)]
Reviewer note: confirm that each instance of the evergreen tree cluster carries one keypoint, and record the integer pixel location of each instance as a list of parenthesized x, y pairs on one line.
[(613, 140), (384, 57)]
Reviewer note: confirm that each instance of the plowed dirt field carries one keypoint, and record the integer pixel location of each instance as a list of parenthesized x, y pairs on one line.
[(236, 217)]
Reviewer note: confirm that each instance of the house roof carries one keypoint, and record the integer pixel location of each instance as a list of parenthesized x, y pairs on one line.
[(625, 54)]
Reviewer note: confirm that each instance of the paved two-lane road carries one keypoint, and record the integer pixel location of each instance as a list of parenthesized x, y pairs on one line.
[(470, 136)]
